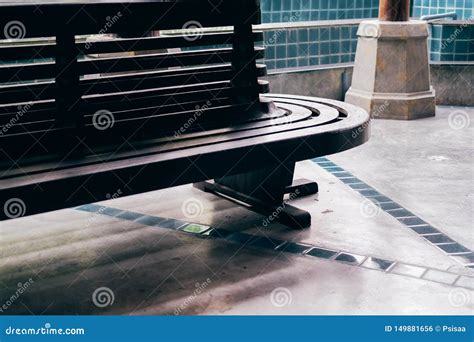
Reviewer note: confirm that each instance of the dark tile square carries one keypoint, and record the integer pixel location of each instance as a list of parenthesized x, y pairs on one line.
[(400, 213), (343, 175), (411, 221), (369, 193), (359, 186), (335, 169), (90, 208), (129, 215), (321, 253), (351, 180), (321, 160), (110, 211), (295, 248), (453, 248), (327, 165), (241, 238), (352, 259), (172, 224), (150, 221), (390, 206), (267, 243), (380, 199), (438, 238), (426, 229)]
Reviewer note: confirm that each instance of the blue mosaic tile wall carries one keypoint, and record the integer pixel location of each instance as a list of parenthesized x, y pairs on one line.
[(277, 11), (303, 47), (452, 42), (319, 46), (464, 8)]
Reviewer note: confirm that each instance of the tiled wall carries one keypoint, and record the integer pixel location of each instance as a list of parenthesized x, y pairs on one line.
[(302, 47), (452, 42), (464, 8), (310, 46), (277, 11)]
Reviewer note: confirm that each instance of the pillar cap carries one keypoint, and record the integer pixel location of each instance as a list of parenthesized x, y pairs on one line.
[(393, 29)]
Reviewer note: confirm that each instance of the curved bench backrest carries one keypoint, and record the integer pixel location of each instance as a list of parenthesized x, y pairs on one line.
[(60, 86)]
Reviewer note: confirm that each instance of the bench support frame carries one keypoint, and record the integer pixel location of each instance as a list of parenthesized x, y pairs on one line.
[(263, 191)]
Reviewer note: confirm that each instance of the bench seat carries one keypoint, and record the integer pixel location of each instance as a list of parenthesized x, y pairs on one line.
[(315, 127), (170, 95)]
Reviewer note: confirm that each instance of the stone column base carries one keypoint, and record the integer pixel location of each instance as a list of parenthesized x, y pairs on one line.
[(394, 106), (391, 78)]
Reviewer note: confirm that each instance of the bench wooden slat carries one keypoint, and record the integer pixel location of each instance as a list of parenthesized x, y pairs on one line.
[(91, 18), (31, 92), (129, 106), (27, 52), (32, 51), (161, 42), (45, 70), (26, 92), (160, 60), (26, 71)]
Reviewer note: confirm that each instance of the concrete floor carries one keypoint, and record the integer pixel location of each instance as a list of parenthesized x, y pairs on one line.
[(426, 166)]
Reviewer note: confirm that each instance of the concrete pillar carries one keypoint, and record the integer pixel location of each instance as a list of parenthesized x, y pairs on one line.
[(394, 10), (391, 78)]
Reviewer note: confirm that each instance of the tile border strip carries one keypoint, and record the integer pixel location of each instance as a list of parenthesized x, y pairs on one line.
[(299, 249), (430, 234)]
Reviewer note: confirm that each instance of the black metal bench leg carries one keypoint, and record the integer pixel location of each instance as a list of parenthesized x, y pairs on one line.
[(263, 191), (302, 187)]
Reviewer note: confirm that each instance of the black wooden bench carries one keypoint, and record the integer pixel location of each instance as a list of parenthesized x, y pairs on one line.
[(78, 124)]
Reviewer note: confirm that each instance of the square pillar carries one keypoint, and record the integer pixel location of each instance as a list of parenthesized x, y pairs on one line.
[(391, 78)]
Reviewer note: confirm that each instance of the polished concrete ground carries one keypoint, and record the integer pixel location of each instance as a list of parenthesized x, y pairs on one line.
[(426, 166)]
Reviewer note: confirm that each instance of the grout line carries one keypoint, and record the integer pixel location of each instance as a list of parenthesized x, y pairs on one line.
[(423, 274), (455, 280), (327, 165), (249, 240)]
